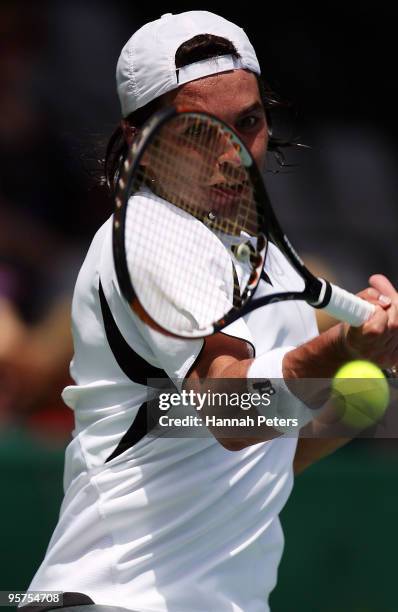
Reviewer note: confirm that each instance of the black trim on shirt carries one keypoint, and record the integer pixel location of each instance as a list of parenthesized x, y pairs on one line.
[(135, 368), (137, 430), (133, 365), (222, 331), (264, 276)]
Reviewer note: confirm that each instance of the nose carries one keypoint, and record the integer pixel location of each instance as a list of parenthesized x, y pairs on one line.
[(230, 153)]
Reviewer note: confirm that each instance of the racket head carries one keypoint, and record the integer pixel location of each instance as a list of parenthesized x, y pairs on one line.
[(188, 231)]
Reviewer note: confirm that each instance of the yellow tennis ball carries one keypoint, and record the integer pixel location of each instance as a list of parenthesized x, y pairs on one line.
[(363, 389)]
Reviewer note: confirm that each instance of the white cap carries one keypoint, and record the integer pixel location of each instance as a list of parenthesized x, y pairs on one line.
[(146, 68)]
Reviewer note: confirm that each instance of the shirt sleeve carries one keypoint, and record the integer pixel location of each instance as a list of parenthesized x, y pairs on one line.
[(173, 355)]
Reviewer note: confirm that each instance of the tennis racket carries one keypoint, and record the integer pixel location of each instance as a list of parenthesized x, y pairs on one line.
[(192, 228)]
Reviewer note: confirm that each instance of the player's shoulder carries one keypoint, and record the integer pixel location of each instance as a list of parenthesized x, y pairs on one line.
[(274, 253), (88, 278), (279, 265), (98, 242), (102, 237)]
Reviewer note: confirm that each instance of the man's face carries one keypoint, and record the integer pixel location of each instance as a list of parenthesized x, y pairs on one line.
[(234, 98), (207, 172)]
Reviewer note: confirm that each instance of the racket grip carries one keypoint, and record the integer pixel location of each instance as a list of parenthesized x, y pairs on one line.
[(348, 307)]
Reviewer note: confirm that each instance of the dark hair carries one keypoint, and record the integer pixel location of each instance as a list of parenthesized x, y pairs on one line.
[(200, 47)]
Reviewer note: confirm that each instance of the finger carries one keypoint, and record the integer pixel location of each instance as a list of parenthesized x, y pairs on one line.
[(393, 320), (375, 297), (387, 351), (383, 285), (377, 324)]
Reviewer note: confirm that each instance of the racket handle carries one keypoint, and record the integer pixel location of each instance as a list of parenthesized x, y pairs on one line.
[(348, 307)]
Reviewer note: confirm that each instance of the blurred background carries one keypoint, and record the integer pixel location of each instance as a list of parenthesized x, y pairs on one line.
[(337, 200)]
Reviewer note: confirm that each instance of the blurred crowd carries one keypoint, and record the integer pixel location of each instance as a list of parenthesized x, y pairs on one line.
[(337, 200), (51, 200)]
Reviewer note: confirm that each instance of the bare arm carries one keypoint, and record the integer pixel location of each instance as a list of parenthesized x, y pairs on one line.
[(311, 449), (229, 358), (226, 357)]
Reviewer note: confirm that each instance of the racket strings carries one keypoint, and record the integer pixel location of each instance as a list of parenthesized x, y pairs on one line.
[(185, 237), (198, 154), (212, 143)]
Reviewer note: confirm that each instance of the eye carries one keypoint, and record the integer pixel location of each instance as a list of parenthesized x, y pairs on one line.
[(200, 134), (196, 130), (248, 123)]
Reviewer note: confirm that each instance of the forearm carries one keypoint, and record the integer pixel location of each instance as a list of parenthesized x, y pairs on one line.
[(322, 357), (318, 358)]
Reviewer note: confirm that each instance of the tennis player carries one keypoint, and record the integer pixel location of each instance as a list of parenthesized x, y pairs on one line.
[(186, 524)]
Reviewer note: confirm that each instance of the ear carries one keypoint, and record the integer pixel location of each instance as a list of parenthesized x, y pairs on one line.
[(129, 131)]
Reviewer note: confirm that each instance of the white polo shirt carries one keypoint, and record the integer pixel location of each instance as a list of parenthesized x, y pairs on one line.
[(167, 524)]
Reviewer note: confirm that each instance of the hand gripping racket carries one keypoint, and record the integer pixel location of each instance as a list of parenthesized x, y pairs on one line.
[(191, 230)]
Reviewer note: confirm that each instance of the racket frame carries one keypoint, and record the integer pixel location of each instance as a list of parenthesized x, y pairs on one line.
[(317, 291)]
